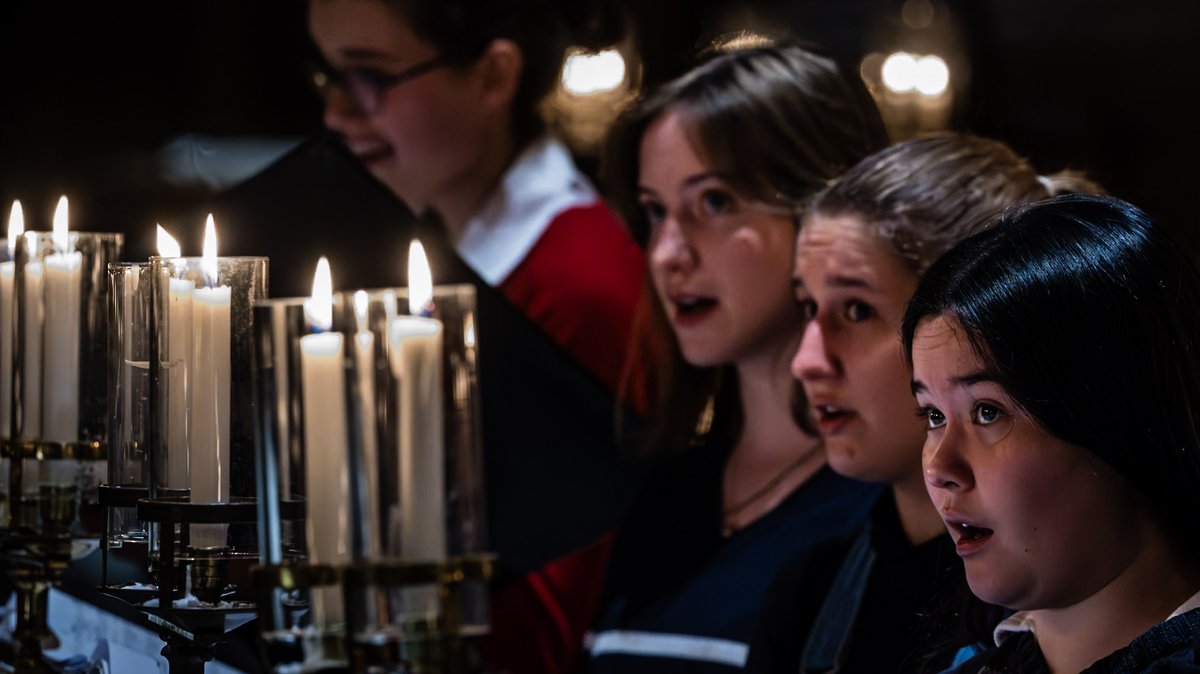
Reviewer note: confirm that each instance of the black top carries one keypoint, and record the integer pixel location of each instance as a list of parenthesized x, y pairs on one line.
[(906, 610), (679, 597)]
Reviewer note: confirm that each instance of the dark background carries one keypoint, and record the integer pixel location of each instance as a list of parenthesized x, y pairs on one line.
[(93, 91)]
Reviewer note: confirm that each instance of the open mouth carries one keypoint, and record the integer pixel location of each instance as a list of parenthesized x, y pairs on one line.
[(831, 418), (968, 537), (690, 307)]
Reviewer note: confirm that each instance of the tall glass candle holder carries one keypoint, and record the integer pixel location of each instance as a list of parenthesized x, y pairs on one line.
[(129, 399), (434, 509), (374, 424), (202, 421), (310, 451), (8, 314), (60, 351)]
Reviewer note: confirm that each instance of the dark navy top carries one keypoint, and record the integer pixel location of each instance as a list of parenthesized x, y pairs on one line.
[(680, 597)]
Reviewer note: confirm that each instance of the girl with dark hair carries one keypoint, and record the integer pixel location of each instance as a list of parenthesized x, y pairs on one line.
[(864, 242), (713, 167), (1057, 370)]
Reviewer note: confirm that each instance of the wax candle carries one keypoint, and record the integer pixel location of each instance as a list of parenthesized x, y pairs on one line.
[(31, 375), (416, 361), (326, 452), (209, 459), (364, 368), (60, 385), (177, 361), (16, 227)]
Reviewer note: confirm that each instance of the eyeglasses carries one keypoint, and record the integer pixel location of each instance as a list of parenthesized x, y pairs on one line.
[(366, 86)]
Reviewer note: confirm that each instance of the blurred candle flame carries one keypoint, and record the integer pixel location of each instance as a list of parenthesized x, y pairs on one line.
[(318, 309), (208, 261), (420, 280), (16, 226), (167, 245), (62, 240)]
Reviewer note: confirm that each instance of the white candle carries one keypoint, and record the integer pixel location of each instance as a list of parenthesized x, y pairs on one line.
[(16, 227), (176, 363), (364, 367), (60, 355), (209, 460), (31, 377), (178, 360), (326, 453), (416, 361)]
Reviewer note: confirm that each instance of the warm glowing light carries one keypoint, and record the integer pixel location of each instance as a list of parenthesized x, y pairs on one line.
[(16, 226), (900, 72), (361, 302), (932, 76), (208, 261), (928, 75), (318, 309), (167, 245), (420, 280), (62, 240), (585, 73)]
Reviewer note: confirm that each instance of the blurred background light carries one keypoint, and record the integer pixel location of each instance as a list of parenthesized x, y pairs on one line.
[(900, 72), (932, 75), (585, 73)]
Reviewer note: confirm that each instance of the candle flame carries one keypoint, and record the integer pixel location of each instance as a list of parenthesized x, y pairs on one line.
[(16, 227), (208, 261), (167, 245), (420, 280), (318, 309), (361, 301), (62, 240)]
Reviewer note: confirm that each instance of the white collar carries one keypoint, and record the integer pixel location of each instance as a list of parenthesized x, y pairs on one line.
[(541, 183), (1022, 621)]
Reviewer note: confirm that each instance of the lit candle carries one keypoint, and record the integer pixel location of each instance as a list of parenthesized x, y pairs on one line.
[(31, 375), (416, 360), (326, 453), (16, 227), (176, 362), (364, 367), (210, 380), (60, 388)]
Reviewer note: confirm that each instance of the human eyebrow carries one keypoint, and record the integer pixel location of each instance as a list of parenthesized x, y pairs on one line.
[(980, 377), (850, 282), (918, 386)]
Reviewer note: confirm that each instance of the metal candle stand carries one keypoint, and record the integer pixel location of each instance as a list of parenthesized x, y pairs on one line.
[(395, 608), (449, 647), (39, 544)]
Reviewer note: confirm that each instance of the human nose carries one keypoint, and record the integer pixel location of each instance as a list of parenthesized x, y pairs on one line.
[(671, 249), (944, 463), (813, 359)]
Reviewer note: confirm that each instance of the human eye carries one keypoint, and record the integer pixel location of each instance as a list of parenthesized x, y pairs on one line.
[(933, 416), (858, 311), (716, 201), (371, 77), (654, 212), (986, 413), (808, 308)]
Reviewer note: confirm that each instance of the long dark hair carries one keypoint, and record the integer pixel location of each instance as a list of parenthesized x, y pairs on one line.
[(1088, 314), (779, 121)]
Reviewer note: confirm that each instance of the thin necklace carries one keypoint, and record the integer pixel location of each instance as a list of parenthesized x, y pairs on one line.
[(727, 527)]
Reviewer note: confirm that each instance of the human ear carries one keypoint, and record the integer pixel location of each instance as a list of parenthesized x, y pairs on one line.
[(500, 69)]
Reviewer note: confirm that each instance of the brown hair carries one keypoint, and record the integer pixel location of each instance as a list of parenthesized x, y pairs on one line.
[(778, 122), (924, 196), (543, 29)]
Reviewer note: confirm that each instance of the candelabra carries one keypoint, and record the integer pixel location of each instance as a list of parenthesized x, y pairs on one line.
[(369, 417), (180, 476), (53, 345)]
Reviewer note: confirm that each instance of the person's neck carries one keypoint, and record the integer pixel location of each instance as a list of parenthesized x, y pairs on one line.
[(770, 438), (918, 516), (1155, 584), (466, 195)]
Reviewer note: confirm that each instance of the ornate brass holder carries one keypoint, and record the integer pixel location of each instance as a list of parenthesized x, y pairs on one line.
[(36, 547), (447, 647)]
